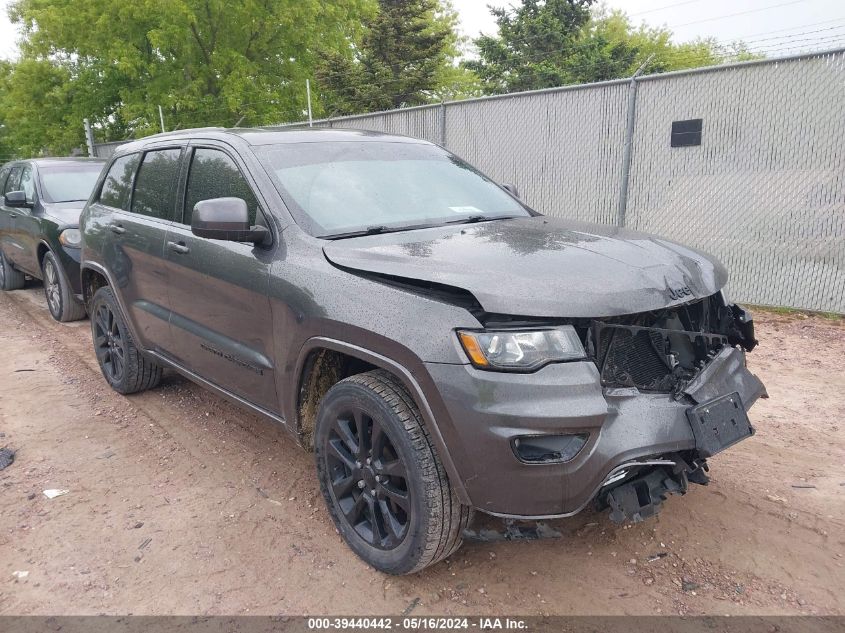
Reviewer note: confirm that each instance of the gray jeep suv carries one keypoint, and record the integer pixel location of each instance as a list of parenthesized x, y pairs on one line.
[(439, 345)]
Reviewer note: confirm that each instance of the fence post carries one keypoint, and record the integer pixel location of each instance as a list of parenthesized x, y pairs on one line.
[(89, 137), (629, 139), (442, 124)]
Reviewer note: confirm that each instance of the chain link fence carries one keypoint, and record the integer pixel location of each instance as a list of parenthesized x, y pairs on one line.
[(764, 190)]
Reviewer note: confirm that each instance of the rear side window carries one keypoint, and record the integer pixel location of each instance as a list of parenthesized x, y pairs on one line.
[(214, 175), (14, 180), (155, 184), (118, 182)]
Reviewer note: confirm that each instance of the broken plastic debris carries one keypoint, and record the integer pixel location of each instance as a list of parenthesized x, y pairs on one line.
[(52, 493), (7, 456)]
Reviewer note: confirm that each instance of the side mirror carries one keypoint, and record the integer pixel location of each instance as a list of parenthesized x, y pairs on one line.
[(16, 199), (226, 219), (511, 189)]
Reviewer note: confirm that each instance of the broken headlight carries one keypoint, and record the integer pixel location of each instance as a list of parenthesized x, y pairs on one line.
[(521, 350)]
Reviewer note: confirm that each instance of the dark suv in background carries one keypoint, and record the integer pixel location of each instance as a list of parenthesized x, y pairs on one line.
[(441, 346), (39, 227)]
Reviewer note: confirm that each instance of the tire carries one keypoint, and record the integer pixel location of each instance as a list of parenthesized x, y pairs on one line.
[(10, 279), (123, 365), (403, 490), (62, 304)]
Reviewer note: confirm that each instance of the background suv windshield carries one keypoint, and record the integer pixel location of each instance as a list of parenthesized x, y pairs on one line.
[(344, 187), (68, 182)]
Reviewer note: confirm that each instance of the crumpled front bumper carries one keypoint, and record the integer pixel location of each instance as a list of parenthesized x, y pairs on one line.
[(488, 410)]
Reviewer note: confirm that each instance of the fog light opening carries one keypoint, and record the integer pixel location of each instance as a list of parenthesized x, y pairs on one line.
[(548, 449)]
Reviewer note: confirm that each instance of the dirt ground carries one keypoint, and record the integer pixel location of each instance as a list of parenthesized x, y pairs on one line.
[(180, 503)]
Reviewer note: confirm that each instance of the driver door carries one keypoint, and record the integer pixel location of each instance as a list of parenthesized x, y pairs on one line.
[(8, 243), (220, 322)]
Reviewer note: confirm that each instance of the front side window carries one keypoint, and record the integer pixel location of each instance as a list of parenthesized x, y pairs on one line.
[(118, 183), (155, 184), (214, 174), (68, 182), (335, 188), (28, 183), (14, 180)]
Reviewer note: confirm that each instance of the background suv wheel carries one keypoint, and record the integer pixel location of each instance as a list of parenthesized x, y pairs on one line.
[(122, 364), (382, 479), (60, 300), (10, 279)]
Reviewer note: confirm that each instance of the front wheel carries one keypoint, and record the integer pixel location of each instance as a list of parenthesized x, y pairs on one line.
[(381, 477), (62, 304), (122, 363)]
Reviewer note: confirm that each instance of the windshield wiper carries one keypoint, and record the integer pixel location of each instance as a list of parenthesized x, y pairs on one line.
[(481, 218), (378, 229), (370, 230)]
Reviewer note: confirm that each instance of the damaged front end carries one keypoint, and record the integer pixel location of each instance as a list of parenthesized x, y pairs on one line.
[(695, 353), (663, 351)]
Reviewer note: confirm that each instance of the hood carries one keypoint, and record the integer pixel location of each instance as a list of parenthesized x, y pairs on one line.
[(540, 266), (65, 213)]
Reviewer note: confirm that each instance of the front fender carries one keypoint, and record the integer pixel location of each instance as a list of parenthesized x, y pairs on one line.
[(415, 379)]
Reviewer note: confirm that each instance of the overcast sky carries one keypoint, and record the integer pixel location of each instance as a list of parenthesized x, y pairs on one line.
[(775, 27)]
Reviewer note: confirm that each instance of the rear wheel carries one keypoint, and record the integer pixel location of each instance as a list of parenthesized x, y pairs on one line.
[(10, 279), (62, 304), (382, 479), (122, 363)]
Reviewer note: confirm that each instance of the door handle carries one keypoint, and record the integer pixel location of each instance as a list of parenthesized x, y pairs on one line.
[(178, 248), (13, 215), (116, 228)]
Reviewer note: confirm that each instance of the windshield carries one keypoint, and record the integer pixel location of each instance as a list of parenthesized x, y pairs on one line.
[(345, 187), (68, 182)]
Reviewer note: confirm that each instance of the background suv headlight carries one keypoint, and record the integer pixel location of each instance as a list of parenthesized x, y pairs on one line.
[(521, 350), (71, 238)]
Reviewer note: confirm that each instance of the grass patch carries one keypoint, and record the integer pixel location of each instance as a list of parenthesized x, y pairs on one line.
[(828, 316)]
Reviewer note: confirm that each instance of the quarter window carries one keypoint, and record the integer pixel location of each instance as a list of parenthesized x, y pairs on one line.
[(215, 175), (155, 183), (118, 183)]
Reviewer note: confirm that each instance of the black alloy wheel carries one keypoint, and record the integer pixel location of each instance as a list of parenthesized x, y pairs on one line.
[(381, 476), (109, 344), (126, 367), (369, 479)]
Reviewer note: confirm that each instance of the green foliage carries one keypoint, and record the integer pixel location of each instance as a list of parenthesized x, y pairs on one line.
[(406, 57), (534, 46), (7, 150), (36, 102), (206, 62), (543, 44)]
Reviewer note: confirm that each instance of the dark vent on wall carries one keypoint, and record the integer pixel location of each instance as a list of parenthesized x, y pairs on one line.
[(686, 133)]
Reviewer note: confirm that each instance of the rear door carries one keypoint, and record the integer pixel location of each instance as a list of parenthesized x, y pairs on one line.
[(221, 324), (26, 226), (135, 210), (5, 220)]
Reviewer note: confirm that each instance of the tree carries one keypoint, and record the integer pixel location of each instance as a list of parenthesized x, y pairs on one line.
[(7, 150), (406, 57), (37, 107), (544, 44), (206, 62), (533, 47)]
